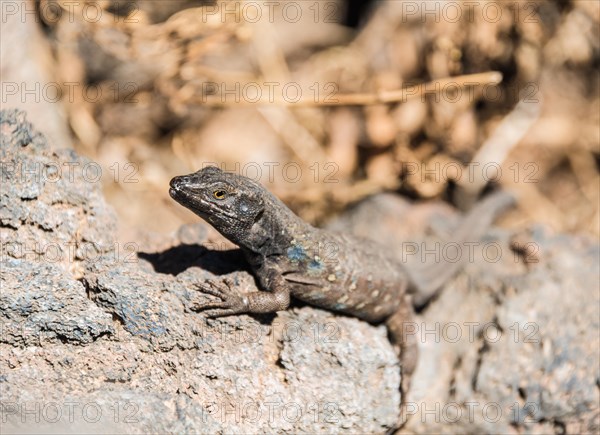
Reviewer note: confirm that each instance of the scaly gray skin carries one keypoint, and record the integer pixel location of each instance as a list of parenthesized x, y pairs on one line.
[(292, 258)]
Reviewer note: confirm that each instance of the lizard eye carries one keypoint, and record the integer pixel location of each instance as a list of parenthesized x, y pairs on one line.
[(220, 194)]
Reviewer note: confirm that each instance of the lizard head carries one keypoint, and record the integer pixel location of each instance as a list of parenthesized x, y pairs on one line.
[(229, 202)]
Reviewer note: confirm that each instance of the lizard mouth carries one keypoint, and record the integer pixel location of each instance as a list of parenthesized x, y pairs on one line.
[(189, 201), (205, 209), (179, 195)]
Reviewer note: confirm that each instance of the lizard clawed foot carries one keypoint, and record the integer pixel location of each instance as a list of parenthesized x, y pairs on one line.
[(231, 302)]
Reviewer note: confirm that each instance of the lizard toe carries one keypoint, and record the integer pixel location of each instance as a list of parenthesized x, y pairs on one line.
[(210, 305), (218, 312), (211, 288), (227, 286)]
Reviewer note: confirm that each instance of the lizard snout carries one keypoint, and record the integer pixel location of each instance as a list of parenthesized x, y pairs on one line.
[(177, 186), (182, 182), (176, 182)]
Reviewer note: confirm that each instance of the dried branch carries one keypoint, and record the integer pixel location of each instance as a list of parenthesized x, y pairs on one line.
[(360, 99)]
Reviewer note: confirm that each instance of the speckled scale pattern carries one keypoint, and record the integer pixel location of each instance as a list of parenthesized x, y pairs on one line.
[(345, 274)]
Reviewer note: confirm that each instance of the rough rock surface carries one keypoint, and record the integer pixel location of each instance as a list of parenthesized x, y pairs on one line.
[(508, 347), (99, 341), (51, 207), (103, 340)]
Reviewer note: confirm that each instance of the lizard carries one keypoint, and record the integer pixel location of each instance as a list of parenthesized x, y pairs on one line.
[(360, 279)]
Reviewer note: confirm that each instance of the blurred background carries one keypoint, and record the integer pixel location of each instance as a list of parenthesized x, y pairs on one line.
[(289, 92)]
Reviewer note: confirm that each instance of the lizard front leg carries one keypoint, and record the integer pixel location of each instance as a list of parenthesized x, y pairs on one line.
[(233, 302)]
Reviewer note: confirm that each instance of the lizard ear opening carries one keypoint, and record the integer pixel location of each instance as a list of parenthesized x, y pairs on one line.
[(249, 210)]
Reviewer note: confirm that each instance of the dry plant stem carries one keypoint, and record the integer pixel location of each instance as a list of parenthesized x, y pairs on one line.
[(273, 66), (497, 147), (297, 137), (367, 99), (583, 164)]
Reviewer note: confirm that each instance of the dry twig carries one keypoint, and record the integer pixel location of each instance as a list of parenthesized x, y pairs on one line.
[(361, 99)]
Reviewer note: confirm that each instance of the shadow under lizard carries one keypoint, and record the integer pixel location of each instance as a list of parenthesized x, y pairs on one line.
[(362, 280)]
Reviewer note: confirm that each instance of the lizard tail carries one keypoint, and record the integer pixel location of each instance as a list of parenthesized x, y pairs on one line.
[(471, 229)]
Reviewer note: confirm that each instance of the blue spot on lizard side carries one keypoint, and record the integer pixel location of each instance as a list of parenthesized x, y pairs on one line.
[(296, 253), (315, 267)]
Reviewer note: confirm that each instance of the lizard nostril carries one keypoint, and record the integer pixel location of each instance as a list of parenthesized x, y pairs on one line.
[(176, 182)]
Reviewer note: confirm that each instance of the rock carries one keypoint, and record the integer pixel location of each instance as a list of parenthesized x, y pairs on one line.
[(98, 341), (544, 370), (51, 206), (509, 346), (38, 305), (103, 342)]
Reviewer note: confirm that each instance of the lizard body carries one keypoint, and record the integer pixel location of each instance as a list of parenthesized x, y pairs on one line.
[(291, 258)]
